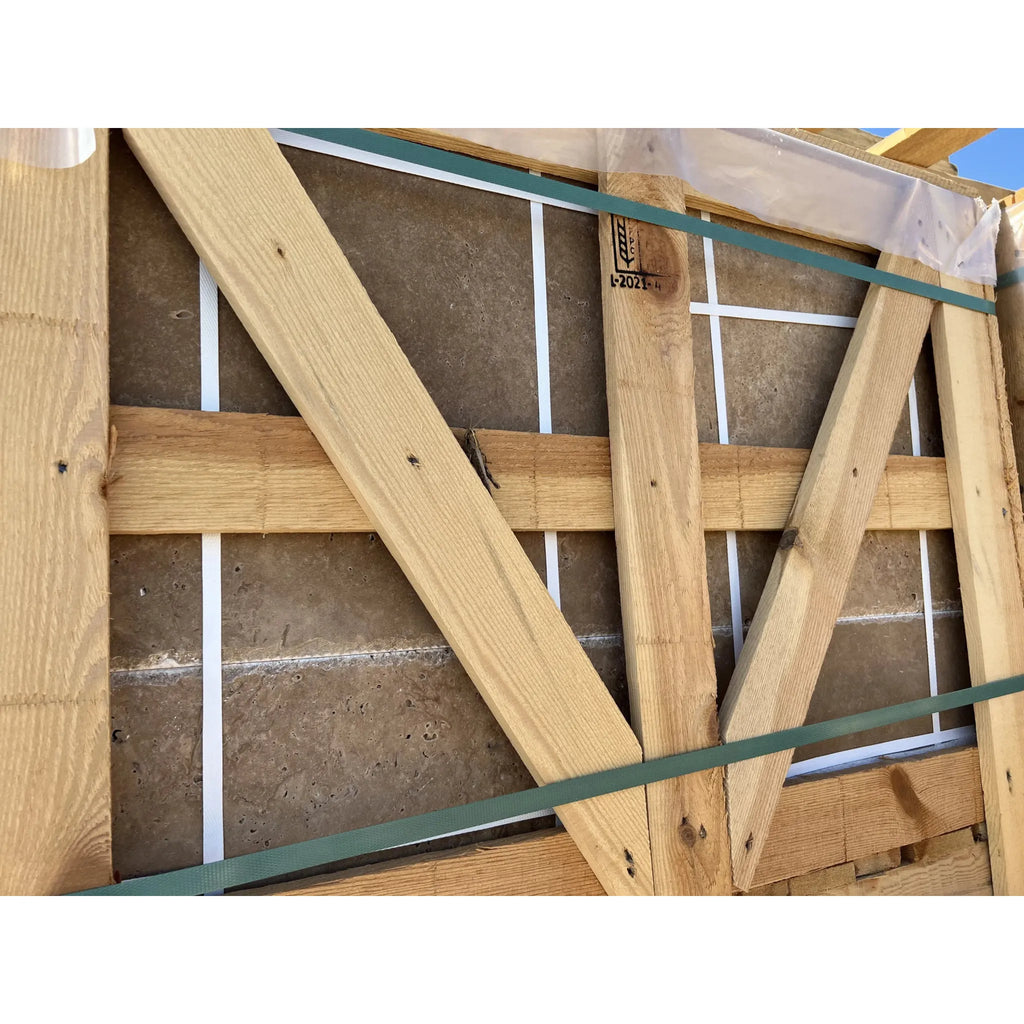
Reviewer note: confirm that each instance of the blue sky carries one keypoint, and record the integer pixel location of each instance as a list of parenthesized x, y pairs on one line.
[(997, 159)]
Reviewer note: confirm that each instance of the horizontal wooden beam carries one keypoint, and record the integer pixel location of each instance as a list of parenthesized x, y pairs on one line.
[(179, 471), (923, 147), (819, 823)]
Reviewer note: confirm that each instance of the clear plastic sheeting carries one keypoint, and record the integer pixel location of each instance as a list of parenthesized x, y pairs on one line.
[(47, 147), (784, 181), (1011, 242)]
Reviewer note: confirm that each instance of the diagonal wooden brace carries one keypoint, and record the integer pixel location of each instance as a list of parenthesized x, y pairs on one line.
[(791, 630), (241, 206)]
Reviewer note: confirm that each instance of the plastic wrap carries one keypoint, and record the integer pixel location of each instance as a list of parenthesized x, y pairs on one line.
[(785, 181), (1011, 241), (47, 147)]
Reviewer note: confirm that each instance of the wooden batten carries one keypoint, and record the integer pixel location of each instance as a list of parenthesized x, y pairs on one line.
[(54, 602), (778, 667), (241, 206), (659, 534), (982, 486), (923, 147), (182, 471)]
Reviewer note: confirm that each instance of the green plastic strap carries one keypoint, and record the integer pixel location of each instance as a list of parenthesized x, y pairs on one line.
[(548, 188), (265, 865), (1010, 277)]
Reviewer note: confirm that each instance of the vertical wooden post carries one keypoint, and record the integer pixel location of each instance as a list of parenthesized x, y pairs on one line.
[(54, 684), (982, 475), (659, 531)]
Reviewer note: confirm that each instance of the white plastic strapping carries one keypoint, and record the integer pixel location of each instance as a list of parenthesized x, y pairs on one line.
[(47, 147), (784, 181)]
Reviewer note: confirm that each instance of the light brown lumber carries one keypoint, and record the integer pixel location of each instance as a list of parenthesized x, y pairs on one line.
[(541, 864), (939, 846), (54, 697), (659, 534), (855, 814), (819, 823), (1010, 314), (778, 667), (923, 147), (965, 872), (184, 471), (981, 477), (241, 206)]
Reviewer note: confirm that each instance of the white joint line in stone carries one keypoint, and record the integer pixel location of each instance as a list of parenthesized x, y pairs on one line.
[(540, 320), (213, 713), (731, 553)]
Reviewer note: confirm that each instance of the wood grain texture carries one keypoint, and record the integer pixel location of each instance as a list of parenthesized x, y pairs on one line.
[(1010, 318), (543, 864), (981, 478), (965, 872), (181, 471), (659, 534), (54, 697), (925, 146), (241, 206), (856, 813), (778, 667)]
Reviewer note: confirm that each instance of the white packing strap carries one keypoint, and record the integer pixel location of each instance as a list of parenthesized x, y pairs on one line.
[(213, 711), (785, 181), (47, 147)]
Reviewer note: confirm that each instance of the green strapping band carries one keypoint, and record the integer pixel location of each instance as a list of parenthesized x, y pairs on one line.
[(1010, 277), (265, 865), (548, 188)]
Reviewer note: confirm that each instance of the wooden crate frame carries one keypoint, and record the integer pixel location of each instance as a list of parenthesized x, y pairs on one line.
[(930, 796)]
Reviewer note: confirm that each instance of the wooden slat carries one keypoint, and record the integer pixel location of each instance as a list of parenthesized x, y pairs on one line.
[(242, 207), (963, 873), (659, 535), (179, 471), (819, 823), (970, 391), (541, 864), (925, 146), (54, 698), (778, 667), (1010, 314)]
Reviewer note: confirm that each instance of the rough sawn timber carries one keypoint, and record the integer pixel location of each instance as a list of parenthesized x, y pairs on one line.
[(778, 667), (54, 605), (659, 535), (241, 206), (184, 471), (982, 478)]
